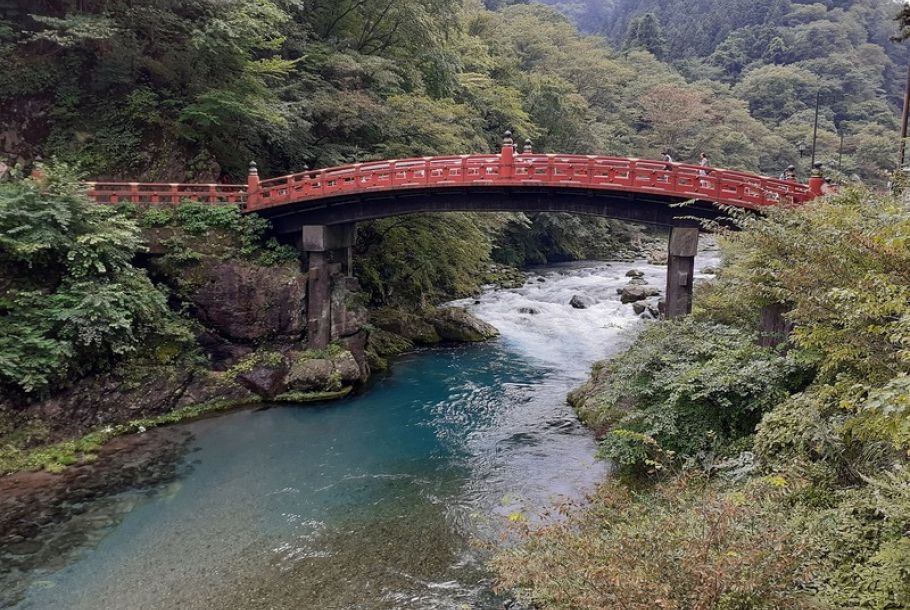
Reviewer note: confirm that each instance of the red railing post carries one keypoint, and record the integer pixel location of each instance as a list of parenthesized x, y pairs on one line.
[(252, 186), (507, 158)]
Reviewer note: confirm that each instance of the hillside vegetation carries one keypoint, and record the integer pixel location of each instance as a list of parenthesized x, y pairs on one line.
[(753, 477)]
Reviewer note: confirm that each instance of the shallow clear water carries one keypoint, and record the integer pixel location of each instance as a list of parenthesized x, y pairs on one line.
[(379, 501)]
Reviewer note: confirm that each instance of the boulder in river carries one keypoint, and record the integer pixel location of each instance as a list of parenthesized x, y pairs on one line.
[(635, 273), (580, 301), (631, 294), (411, 326), (638, 281), (709, 271), (456, 324), (658, 257), (529, 311)]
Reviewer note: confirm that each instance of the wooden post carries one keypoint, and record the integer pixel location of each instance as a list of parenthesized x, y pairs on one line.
[(774, 328), (681, 271)]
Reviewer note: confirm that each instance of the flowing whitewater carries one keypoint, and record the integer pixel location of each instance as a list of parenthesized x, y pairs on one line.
[(384, 500)]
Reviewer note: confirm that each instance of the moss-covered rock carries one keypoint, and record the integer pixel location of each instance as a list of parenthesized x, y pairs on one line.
[(457, 324), (413, 327)]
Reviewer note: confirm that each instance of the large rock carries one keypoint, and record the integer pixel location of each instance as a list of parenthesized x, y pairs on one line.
[(265, 379), (635, 273), (208, 387), (327, 370), (631, 294), (412, 327), (456, 324), (658, 257), (248, 303), (349, 312), (580, 301)]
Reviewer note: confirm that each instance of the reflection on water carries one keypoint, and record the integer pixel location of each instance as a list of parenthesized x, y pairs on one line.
[(377, 501)]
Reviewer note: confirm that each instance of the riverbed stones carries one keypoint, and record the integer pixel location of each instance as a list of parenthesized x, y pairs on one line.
[(457, 324), (631, 294), (581, 301), (635, 273), (638, 281), (646, 310), (658, 257), (531, 311)]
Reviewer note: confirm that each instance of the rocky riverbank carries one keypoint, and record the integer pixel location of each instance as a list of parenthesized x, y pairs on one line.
[(249, 323)]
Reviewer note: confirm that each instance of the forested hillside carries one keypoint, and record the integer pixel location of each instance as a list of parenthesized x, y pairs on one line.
[(178, 90)]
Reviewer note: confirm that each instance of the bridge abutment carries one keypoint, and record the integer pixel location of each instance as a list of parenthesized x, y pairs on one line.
[(324, 244), (681, 270)]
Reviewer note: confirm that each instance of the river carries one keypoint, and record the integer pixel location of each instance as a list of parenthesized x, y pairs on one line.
[(388, 499)]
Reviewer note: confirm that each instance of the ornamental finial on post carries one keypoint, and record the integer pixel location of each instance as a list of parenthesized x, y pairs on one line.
[(507, 139), (529, 147), (252, 186)]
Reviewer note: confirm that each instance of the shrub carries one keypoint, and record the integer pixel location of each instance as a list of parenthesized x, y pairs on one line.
[(684, 544), (686, 388), (222, 229), (861, 544), (841, 266), (72, 302), (800, 434)]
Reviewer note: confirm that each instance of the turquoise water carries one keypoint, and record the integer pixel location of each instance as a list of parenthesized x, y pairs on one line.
[(389, 499)]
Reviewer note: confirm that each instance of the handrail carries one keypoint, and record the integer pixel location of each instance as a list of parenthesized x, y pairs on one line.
[(682, 180)]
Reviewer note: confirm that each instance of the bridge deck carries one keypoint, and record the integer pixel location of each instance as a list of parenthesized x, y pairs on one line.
[(677, 180)]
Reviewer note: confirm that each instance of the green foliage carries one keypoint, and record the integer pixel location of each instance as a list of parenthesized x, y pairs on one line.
[(419, 260), (801, 435), (72, 302), (685, 389), (842, 266), (539, 238), (685, 544), (862, 544), (219, 230)]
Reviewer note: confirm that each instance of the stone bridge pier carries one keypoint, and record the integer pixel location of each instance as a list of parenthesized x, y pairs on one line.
[(329, 249)]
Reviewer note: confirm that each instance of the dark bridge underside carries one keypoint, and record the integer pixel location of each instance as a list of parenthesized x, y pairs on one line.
[(632, 207)]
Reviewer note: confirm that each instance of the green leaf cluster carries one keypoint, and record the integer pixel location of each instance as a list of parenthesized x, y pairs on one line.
[(72, 303)]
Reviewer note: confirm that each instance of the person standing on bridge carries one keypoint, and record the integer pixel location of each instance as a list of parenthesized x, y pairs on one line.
[(668, 158), (789, 173), (703, 164)]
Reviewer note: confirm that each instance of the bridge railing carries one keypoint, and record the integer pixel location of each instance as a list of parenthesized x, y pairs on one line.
[(163, 193), (507, 169)]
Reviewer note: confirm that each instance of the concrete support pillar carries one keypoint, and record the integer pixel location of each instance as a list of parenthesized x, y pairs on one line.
[(318, 241), (681, 271)]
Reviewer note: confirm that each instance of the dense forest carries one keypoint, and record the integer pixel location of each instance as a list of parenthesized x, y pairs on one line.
[(177, 90)]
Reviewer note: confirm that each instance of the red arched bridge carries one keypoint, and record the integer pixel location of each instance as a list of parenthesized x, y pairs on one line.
[(320, 207)]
